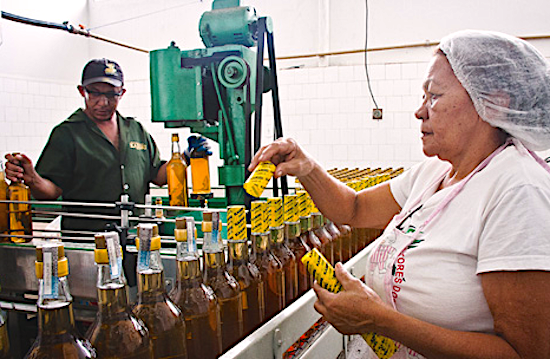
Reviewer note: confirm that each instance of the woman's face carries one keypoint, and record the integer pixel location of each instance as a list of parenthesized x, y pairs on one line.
[(449, 119)]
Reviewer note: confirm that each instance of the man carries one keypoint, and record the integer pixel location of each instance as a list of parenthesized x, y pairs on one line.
[(96, 155)]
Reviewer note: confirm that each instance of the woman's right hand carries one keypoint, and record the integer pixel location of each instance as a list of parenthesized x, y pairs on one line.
[(287, 155)]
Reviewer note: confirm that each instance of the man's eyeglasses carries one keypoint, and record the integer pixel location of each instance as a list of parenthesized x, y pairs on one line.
[(110, 96)]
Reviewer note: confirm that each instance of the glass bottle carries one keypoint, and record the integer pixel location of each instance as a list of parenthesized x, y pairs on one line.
[(269, 266), (176, 174), (200, 172), (116, 332), (225, 286), (345, 233), (197, 301), (4, 339), (328, 246), (336, 240), (306, 224), (247, 274), (19, 213), (294, 242), (4, 218), (162, 317), (280, 250), (57, 334)]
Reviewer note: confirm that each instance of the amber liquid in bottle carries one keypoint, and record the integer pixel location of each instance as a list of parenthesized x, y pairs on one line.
[(176, 173), (273, 273), (251, 283), (299, 248), (161, 316), (288, 260), (57, 334), (197, 301), (116, 332), (200, 174), (19, 213), (327, 247), (225, 286), (336, 240), (200, 310), (4, 218), (229, 296), (347, 250)]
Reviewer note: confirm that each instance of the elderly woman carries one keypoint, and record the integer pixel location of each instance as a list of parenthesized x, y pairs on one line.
[(462, 268)]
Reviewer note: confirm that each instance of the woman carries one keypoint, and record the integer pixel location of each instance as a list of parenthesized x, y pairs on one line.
[(461, 270)]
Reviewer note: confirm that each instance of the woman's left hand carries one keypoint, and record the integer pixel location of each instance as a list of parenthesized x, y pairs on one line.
[(356, 309)]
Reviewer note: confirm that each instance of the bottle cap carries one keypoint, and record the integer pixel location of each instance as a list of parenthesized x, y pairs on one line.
[(303, 206), (275, 211), (236, 223), (258, 217), (290, 208)]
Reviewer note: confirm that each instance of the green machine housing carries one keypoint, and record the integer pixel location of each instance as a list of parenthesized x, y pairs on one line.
[(213, 90)]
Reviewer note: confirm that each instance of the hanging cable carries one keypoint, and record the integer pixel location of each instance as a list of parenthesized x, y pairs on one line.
[(366, 42)]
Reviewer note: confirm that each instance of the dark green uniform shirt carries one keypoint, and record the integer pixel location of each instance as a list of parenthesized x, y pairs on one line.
[(82, 161)]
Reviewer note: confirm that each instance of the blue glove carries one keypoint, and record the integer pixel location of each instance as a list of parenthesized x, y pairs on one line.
[(196, 144)]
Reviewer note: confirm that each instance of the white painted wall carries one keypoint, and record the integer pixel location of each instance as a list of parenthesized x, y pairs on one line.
[(325, 102)]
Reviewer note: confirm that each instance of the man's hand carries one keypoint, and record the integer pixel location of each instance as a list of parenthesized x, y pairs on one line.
[(196, 144), (19, 168)]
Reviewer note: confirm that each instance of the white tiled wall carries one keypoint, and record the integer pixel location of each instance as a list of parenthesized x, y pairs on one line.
[(328, 110)]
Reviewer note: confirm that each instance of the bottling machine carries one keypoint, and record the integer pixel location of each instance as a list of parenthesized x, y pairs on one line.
[(215, 90)]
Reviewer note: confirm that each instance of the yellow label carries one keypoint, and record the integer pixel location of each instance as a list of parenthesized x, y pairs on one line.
[(291, 208), (303, 208), (258, 180), (258, 217), (275, 211), (236, 223), (324, 274)]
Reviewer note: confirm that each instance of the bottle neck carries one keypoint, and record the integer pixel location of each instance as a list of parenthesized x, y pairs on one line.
[(238, 251), (189, 272), (277, 235), (292, 230), (111, 292), (149, 262), (48, 299), (55, 315), (317, 220), (305, 224), (212, 243), (176, 149), (260, 243), (214, 263), (150, 276)]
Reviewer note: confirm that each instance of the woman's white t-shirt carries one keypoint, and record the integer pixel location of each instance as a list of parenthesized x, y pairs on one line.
[(500, 221)]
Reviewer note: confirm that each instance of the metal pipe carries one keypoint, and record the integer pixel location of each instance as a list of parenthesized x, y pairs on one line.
[(387, 48), (63, 203), (66, 27)]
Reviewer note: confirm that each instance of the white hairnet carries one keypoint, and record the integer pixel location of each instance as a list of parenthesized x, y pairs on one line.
[(508, 81)]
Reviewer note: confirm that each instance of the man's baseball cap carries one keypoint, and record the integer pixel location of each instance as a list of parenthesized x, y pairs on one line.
[(102, 70)]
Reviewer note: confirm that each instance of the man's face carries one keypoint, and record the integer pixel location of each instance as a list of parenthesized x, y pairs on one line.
[(101, 100)]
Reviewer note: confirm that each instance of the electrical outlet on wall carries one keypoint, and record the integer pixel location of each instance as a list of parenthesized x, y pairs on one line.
[(377, 114)]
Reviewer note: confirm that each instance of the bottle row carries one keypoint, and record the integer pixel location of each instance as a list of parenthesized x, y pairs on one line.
[(215, 302)]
